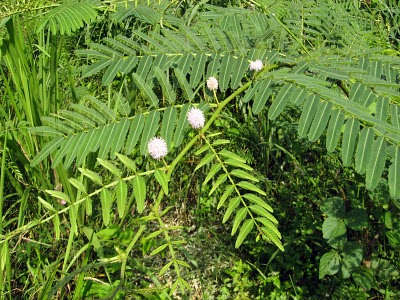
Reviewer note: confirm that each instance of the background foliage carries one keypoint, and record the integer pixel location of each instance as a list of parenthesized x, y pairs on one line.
[(290, 190)]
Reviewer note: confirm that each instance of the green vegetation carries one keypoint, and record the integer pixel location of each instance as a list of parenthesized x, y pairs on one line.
[(289, 189)]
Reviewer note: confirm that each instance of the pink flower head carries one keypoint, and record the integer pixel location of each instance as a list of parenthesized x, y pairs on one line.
[(157, 147), (256, 65), (63, 202), (196, 118), (212, 83)]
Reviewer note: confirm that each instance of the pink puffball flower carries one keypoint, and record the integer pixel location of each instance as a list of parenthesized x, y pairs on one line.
[(256, 65), (212, 83), (196, 118), (63, 202), (157, 148)]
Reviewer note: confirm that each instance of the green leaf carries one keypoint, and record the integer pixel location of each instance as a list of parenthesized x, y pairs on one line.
[(102, 108), (109, 166), (144, 65), (165, 268), (333, 227), (122, 193), (240, 67), (235, 163), (159, 249), (145, 89), (280, 101), (376, 163), (264, 91), (54, 123), (298, 95), (227, 47), (166, 87), (309, 109), (272, 237), (382, 108), (320, 120), (244, 231), (162, 179), (220, 180), (213, 67), (71, 155), (166, 210), (232, 155), (64, 148), (384, 268), (90, 143), (269, 225), (228, 191), (394, 175), (129, 163), (352, 257), (47, 150), (233, 203), (356, 219), (395, 112), (364, 278), (257, 200), (150, 129), (251, 187), (181, 126), (220, 142), (351, 129), (154, 234), (240, 216), (92, 175), (198, 67), (214, 170), (206, 159), (112, 71), (73, 215), (106, 201), (129, 63), (184, 63), (225, 72), (263, 213), (329, 264), (45, 131), (168, 125), (57, 226), (242, 174), (184, 85), (135, 130), (79, 185), (185, 264), (363, 152), (201, 150), (78, 117), (252, 91), (368, 98), (119, 138), (330, 72), (59, 195), (334, 207), (96, 67), (47, 205), (139, 191), (91, 113), (107, 138)]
